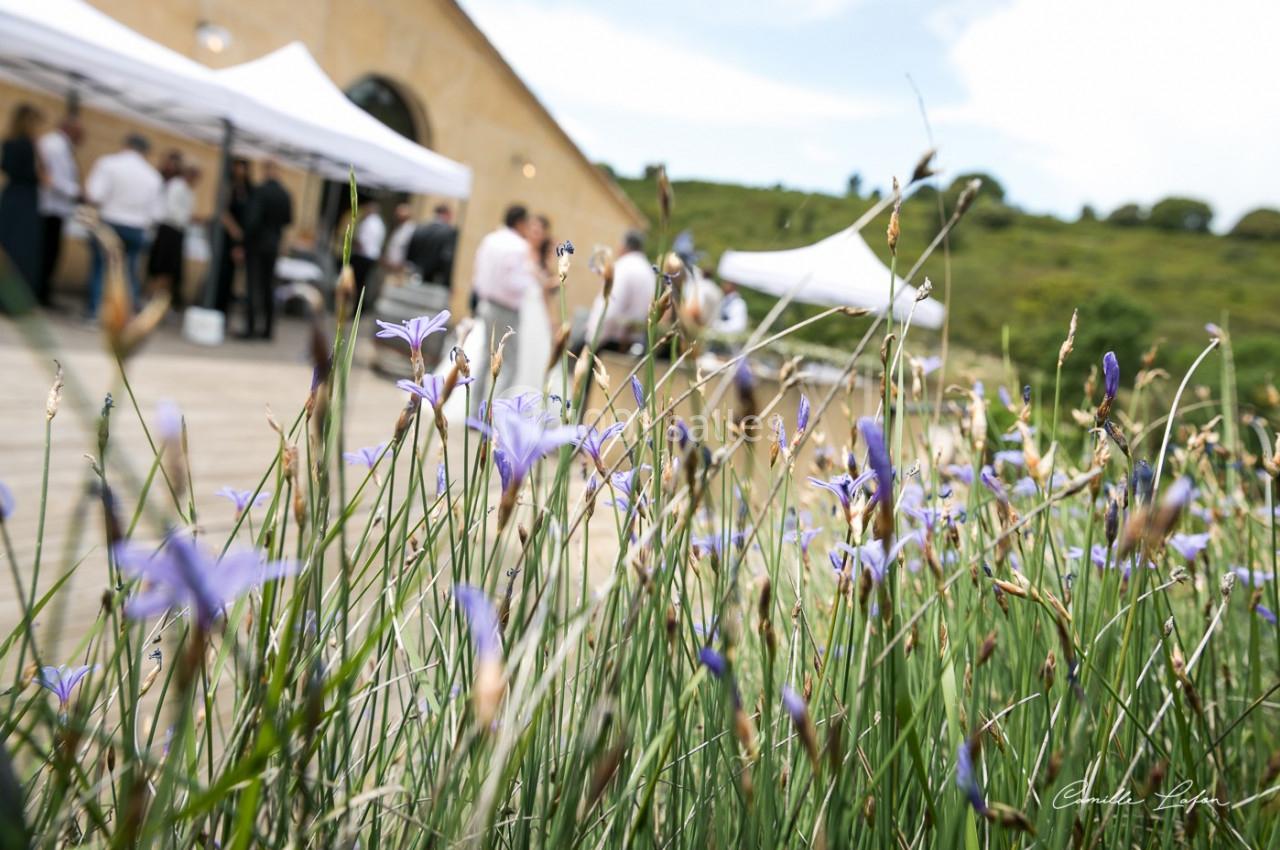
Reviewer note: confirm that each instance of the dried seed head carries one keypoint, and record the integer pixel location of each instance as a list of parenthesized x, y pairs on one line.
[(924, 168), (1069, 343), (55, 394), (894, 229), (967, 196)]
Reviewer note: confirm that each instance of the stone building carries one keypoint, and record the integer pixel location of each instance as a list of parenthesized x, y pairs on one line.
[(424, 68)]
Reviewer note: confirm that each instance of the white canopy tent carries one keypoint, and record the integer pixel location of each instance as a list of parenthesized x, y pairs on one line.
[(286, 97), (840, 270)]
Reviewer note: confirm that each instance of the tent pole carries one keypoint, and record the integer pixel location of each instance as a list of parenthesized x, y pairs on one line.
[(219, 208)]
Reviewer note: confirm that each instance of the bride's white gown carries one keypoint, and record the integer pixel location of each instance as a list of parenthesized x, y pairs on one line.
[(527, 352)]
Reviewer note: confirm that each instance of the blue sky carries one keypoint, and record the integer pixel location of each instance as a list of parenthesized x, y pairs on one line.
[(1096, 101)]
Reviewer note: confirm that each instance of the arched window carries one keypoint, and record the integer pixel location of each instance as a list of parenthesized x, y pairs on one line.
[(385, 101)]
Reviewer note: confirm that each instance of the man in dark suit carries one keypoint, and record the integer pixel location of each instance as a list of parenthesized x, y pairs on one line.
[(431, 248), (270, 212)]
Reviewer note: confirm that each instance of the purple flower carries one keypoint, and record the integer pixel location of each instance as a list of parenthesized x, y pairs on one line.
[(481, 619), (62, 680), (368, 456), (591, 441), (430, 388), (525, 404), (623, 482), (565, 247), (877, 456), (414, 331), (244, 499), (680, 433), (844, 486), (1189, 546), (932, 363), (506, 473), (713, 661), (1025, 487), (802, 416), (7, 502), (967, 779), (794, 704), (804, 538), (442, 482), (1252, 578), (992, 483), (979, 389), (1013, 457), (168, 421), (181, 574), (1002, 393), (779, 432), (743, 378), (523, 441), (1179, 494), (963, 474), (637, 391), (1266, 613), (1110, 375), (872, 556)]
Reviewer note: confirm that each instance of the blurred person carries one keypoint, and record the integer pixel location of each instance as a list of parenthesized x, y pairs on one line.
[(165, 259), (430, 250), (231, 222), (398, 241), (127, 191), (532, 343), (366, 247), (620, 320), (503, 276), (269, 212), (732, 319), (19, 201), (58, 196)]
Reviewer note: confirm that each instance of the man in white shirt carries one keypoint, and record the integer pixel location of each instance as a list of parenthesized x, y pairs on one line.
[(398, 243), (503, 273), (58, 196), (128, 192), (622, 319), (732, 320), (366, 247)]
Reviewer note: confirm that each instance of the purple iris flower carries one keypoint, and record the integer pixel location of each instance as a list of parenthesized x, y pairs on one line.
[(181, 574), (1252, 578), (932, 363), (877, 456), (743, 378), (794, 704), (1003, 393), (679, 432), (707, 544), (244, 499), (802, 415), (523, 441), (844, 486), (779, 432), (992, 483), (7, 502), (713, 661), (565, 247), (506, 473), (1189, 546), (430, 388), (963, 474), (979, 389), (591, 441), (804, 538), (1013, 457), (624, 481), (481, 619), (927, 517), (872, 555), (1266, 613), (637, 391), (368, 456), (442, 482), (62, 680), (168, 421), (414, 331), (1025, 487), (967, 779), (524, 404), (1110, 375), (1179, 494)]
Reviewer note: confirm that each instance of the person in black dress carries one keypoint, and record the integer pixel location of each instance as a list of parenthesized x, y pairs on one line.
[(20, 228), (270, 211), (232, 222), (431, 248)]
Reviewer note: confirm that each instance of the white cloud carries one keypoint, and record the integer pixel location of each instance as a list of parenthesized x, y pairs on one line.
[(1130, 100), (577, 60)]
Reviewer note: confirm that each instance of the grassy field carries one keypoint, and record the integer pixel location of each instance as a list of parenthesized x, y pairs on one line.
[(1135, 286)]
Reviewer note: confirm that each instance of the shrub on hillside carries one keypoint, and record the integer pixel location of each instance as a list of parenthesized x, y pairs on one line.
[(1181, 214), (1262, 224), (1127, 215), (992, 215)]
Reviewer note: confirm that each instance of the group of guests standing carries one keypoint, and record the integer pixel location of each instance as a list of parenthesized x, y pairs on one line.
[(149, 210)]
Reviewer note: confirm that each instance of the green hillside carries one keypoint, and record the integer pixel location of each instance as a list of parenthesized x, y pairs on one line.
[(1134, 285)]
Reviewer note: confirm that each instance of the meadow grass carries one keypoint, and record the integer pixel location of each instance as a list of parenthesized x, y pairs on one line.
[(990, 622)]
